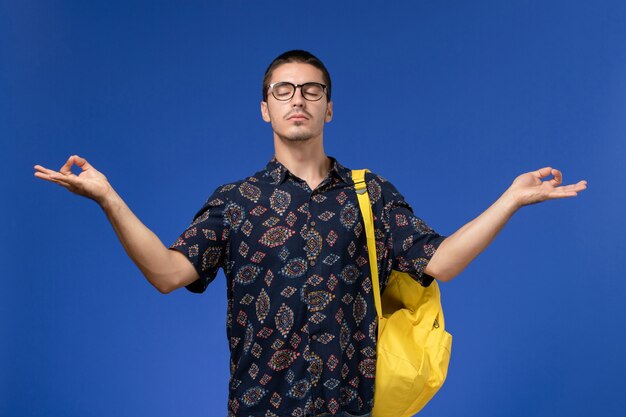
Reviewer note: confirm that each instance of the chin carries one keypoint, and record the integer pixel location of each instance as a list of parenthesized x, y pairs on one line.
[(298, 136)]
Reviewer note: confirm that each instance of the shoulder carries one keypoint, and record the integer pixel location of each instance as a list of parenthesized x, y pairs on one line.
[(232, 191), (222, 193), (223, 196), (379, 188)]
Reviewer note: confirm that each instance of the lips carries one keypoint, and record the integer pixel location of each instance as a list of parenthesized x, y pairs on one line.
[(297, 116)]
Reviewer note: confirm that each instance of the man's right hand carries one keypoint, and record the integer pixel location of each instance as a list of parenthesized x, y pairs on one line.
[(89, 183), (166, 269)]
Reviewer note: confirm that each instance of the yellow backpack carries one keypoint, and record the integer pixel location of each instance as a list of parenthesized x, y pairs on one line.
[(413, 348)]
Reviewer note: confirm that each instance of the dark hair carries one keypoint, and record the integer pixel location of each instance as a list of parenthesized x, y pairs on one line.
[(301, 56)]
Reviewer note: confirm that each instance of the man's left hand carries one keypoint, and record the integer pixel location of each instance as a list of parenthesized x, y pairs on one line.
[(530, 188)]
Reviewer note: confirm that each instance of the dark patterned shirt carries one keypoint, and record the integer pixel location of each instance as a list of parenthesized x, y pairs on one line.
[(301, 321)]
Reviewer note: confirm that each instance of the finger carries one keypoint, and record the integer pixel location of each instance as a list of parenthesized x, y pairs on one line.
[(557, 177), (571, 187), (571, 190), (562, 194), (579, 186), (70, 180), (43, 176), (67, 167), (60, 179), (44, 170), (542, 172), (82, 163), (62, 183), (47, 174)]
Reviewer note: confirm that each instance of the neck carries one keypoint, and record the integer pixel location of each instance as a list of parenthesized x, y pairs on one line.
[(304, 159)]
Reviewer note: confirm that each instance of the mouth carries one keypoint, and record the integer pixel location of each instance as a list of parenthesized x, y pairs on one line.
[(297, 117)]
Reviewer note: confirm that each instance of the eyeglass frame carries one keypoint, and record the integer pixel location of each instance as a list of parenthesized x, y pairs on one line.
[(295, 87)]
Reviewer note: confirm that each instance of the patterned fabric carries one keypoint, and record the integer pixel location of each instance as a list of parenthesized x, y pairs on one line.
[(301, 320)]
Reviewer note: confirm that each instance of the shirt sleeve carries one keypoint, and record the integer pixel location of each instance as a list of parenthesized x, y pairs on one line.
[(411, 242), (205, 241)]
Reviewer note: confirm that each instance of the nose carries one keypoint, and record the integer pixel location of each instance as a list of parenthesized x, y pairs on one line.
[(298, 99)]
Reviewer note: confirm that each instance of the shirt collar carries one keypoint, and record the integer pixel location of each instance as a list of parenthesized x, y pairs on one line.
[(279, 173)]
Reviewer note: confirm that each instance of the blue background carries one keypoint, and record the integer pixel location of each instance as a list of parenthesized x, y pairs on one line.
[(449, 100)]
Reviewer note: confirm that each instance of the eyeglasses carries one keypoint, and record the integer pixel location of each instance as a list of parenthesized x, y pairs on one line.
[(284, 91)]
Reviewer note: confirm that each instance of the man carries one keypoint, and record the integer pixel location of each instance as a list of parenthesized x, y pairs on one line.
[(290, 238)]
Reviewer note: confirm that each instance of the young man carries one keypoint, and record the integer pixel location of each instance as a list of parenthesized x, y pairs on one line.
[(290, 238)]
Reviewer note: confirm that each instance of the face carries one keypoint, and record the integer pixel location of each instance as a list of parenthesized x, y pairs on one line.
[(297, 119)]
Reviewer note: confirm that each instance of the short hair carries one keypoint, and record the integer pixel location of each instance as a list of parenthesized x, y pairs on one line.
[(296, 55)]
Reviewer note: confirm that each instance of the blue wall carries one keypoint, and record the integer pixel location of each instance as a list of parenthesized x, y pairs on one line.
[(449, 100)]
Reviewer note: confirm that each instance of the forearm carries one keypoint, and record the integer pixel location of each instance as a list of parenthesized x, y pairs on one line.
[(457, 251), (162, 267)]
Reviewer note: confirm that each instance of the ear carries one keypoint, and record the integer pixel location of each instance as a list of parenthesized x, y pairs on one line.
[(265, 112), (329, 112)]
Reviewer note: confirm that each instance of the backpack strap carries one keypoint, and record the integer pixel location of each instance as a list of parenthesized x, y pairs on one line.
[(358, 176)]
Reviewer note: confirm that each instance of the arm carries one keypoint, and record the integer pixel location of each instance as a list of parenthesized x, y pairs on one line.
[(462, 247), (166, 270)]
